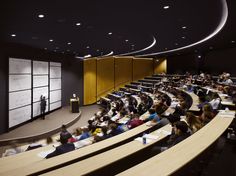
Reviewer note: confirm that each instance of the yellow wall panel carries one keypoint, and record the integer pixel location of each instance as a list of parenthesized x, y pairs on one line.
[(160, 65), (90, 81), (105, 76), (142, 67), (123, 71)]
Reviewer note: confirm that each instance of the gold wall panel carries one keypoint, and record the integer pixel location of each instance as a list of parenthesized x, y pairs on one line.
[(90, 81), (105, 76), (142, 67), (123, 71)]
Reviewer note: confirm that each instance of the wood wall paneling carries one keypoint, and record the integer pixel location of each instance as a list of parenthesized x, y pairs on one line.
[(142, 67), (160, 65), (90, 81), (105, 76), (123, 71)]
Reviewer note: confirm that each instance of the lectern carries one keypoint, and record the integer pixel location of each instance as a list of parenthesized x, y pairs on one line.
[(74, 105)]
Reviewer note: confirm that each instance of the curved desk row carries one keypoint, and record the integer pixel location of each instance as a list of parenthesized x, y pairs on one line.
[(29, 162), (171, 160)]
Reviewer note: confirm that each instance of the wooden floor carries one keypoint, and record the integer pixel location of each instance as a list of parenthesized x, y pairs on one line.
[(52, 122)]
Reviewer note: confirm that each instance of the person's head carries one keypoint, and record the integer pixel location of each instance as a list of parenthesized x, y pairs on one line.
[(151, 111), (49, 140), (180, 127), (63, 128), (190, 117), (207, 108)]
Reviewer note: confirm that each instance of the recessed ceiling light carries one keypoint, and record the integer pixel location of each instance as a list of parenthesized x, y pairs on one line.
[(57, 47), (41, 16), (69, 43), (78, 24), (110, 33), (98, 50), (126, 40), (199, 56), (232, 41), (166, 7), (45, 48), (184, 27), (55, 50), (50, 40), (210, 47), (68, 50), (13, 35), (87, 47), (176, 44), (183, 37), (166, 48)]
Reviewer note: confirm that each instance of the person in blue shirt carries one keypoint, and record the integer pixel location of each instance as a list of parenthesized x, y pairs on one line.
[(153, 115)]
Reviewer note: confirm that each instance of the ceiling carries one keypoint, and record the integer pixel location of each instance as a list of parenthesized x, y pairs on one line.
[(122, 27)]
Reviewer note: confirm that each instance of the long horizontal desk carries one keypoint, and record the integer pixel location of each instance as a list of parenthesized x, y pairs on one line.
[(104, 159), (169, 161)]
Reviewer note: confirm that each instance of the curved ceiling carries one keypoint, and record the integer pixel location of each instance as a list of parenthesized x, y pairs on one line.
[(98, 28)]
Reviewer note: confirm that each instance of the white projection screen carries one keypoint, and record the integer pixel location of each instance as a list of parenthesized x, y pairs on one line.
[(40, 85), (28, 81), (55, 85), (19, 106)]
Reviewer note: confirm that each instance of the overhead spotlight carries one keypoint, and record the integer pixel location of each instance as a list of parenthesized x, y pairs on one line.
[(45, 48), (183, 37), (110, 33), (166, 7), (210, 47), (50, 40), (78, 24), (97, 50), (41, 16), (232, 41), (13, 35), (57, 47), (184, 27), (68, 50), (199, 56), (176, 44), (126, 40), (87, 47), (69, 43)]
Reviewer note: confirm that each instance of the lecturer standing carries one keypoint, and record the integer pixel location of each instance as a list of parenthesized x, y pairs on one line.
[(43, 104)]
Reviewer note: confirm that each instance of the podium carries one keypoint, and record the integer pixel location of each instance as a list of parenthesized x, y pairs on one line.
[(74, 105)]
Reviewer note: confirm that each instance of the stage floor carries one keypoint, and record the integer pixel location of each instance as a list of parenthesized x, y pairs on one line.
[(39, 127)]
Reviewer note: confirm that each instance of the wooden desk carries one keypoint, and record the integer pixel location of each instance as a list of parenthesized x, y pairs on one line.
[(169, 161), (25, 164), (104, 159)]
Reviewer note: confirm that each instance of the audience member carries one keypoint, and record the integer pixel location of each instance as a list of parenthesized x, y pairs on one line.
[(63, 148)]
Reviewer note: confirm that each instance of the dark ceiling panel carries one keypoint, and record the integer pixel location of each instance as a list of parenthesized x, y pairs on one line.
[(133, 25)]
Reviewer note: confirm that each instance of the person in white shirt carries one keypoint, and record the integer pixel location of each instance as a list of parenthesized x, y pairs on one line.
[(215, 102)]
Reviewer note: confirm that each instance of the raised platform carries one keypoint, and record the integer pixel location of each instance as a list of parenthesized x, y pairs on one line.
[(39, 128)]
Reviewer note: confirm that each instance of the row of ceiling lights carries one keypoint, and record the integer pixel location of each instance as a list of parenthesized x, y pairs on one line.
[(110, 33)]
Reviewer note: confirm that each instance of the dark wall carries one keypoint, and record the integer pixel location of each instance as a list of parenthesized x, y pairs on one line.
[(72, 74), (221, 60), (213, 62), (72, 80), (182, 63)]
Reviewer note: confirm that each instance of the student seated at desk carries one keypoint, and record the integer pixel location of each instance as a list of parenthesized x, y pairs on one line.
[(207, 114), (64, 133), (63, 148), (134, 121), (153, 115), (179, 133), (193, 122)]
